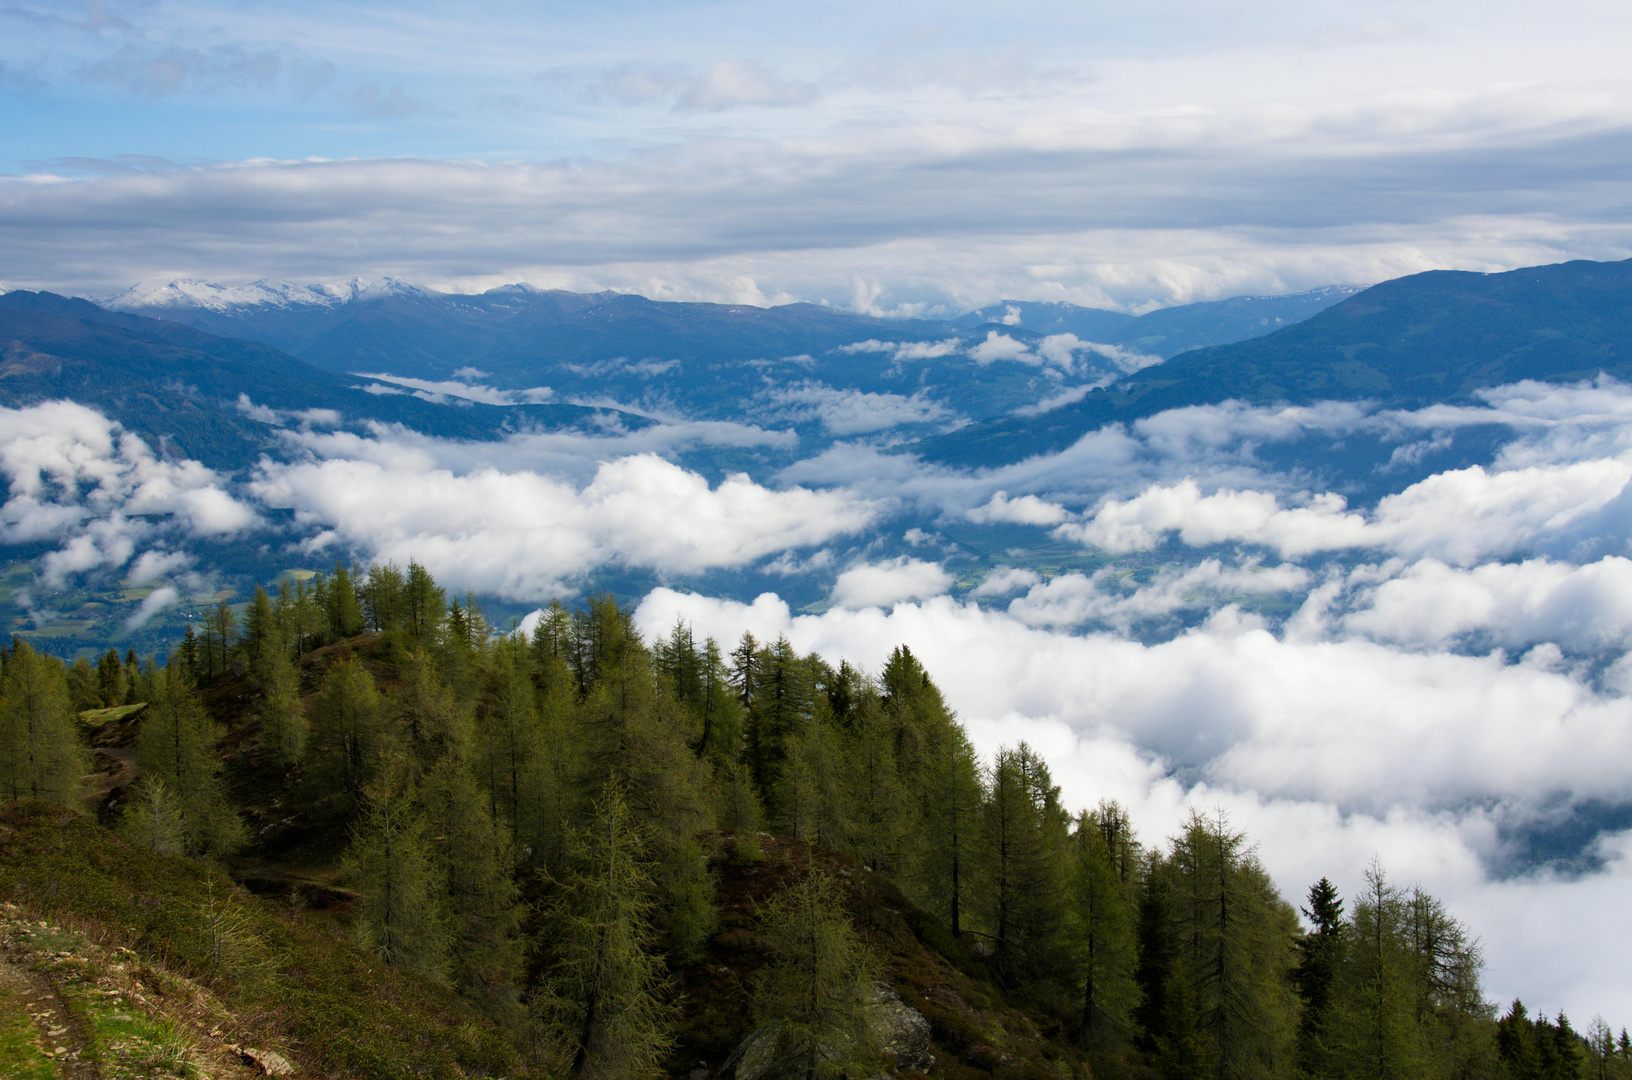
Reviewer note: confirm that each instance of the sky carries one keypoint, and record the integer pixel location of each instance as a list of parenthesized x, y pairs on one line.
[(892, 157), (1452, 675)]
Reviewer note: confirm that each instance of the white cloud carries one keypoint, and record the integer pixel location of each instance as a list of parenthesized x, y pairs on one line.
[(153, 603), (438, 391), (904, 350), (854, 412), (76, 477), (1513, 605), (890, 582), (1460, 516), (1002, 347), (1010, 579), (729, 85), (1026, 510), (526, 535), (1113, 598)]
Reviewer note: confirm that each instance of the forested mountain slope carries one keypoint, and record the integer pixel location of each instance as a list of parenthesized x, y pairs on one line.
[(656, 858), (177, 385), (1432, 337)]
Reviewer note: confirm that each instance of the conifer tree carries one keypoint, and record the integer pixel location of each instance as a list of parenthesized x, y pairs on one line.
[(188, 652), (1236, 946), (283, 718), (424, 604), (350, 738), (220, 634), (599, 1011), (342, 612), (817, 988), (1320, 957), (1100, 933), (1023, 843), (432, 722), (111, 679), (1381, 1037), (153, 818), (511, 732), (949, 832), (177, 746), (40, 752), (482, 898), (262, 635), (400, 917), (382, 597), (84, 689)]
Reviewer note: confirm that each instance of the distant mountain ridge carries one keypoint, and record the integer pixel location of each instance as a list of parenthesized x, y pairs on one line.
[(177, 384), (1165, 332), (1431, 337), (511, 330)]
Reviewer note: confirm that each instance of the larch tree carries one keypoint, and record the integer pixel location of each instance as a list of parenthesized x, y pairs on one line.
[(599, 1012), (482, 899), (283, 717), (350, 736), (1100, 933), (816, 991), (177, 746), (400, 918), (1236, 945), (40, 752)]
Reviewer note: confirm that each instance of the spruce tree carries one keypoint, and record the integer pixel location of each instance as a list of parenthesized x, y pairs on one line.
[(1320, 958), (40, 752), (599, 1011)]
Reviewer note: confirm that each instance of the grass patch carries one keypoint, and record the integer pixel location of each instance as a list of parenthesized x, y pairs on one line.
[(98, 717), (21, 1056)]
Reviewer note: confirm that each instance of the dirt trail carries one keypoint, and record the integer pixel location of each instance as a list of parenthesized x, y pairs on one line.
[(60, 1035)]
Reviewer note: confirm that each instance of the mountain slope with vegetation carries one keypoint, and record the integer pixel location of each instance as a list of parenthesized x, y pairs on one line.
[(191, 390), (362, 830), (1435, 337)]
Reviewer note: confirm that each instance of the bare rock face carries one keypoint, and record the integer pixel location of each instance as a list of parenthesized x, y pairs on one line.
[(901, 1031)]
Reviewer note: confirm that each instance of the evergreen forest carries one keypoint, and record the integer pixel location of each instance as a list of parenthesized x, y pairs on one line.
[(630, 858)]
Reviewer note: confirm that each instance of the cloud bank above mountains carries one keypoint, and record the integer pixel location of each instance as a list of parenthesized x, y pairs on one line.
[(1136, 155)]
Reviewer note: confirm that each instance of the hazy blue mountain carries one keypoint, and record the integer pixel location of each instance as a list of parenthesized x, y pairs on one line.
[(173, 382), (1167, 331), (1431, 337)]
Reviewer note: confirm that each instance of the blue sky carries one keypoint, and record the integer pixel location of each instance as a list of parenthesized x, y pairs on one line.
[(887, 156)]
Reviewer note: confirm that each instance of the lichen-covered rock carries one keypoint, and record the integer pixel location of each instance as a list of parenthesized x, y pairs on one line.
[(902, 1031)]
